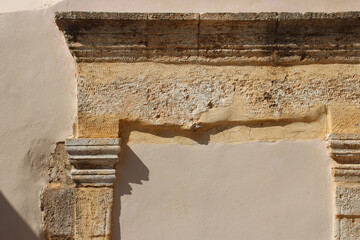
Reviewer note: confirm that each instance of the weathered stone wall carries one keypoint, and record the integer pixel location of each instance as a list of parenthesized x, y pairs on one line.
[(203, 98)]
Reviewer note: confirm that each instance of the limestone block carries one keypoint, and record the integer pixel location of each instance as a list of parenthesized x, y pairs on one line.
[(93, 214), (58, 208), (347, 229), (348, 199)]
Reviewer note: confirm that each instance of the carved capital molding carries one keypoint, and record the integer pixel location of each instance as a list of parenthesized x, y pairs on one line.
[(93, 160), (344, 148)]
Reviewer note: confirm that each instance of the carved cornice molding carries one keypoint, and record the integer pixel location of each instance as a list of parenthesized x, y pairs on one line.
[(93, 160), (215, 38)]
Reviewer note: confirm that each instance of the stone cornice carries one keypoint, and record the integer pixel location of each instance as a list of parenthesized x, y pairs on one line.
[(214, 38), (93, 160)]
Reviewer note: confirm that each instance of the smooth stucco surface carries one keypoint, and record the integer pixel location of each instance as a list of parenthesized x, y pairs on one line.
[(37, 109), (188, 5), (247, 191)]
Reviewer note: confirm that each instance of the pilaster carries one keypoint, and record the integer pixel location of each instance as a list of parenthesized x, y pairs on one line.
[(93, 161), (345, 150)]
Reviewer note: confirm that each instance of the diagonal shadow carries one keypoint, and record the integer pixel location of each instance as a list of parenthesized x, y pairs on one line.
[(130, 169), (12, 226)]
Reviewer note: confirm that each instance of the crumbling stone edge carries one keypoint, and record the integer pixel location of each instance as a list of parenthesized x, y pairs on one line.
[(83, 209)]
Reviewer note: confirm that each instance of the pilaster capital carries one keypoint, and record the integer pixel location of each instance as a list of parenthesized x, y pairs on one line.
[(93, 160), (344, 147)]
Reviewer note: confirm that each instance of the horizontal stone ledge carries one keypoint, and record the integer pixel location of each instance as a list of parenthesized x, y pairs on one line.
[(94, 158), (249, 16), (92, 141), (91, 150), (94, 180), (343, 136), (346, 173), (213, 38), (93, 172), (345, 154)]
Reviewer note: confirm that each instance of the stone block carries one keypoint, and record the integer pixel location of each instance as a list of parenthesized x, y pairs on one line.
[(348, 199), (57, 204), (347, 229), (93, 214)]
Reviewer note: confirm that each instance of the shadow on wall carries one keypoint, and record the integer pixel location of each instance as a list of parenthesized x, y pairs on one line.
[(12, 226), (130, 170)]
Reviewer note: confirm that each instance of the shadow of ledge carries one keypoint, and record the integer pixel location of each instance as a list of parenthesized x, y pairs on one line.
[(130, 170)]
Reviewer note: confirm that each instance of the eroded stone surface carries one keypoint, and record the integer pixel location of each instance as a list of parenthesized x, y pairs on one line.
[(93, 214), (217, 38), (347, 229), (59, 167), (58, 206), (186, 95), (348, 199)]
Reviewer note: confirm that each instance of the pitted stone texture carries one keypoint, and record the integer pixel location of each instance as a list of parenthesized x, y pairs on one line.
[(179, 95), (59, 166), (93, 215), (347, 229), (348, 199), (58, 206)]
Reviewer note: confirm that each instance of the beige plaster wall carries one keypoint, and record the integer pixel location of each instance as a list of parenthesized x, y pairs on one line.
[(38, 107), (250, 191), (188, 5)]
